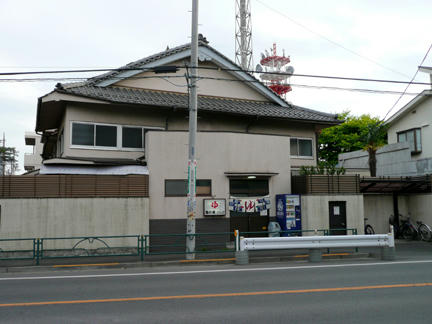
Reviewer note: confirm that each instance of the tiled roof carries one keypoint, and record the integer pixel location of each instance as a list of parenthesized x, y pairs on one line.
[(205, 103), (139, 63)]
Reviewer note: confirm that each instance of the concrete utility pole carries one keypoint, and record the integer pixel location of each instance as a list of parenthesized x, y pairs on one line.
[(193, 104), (3, 156)]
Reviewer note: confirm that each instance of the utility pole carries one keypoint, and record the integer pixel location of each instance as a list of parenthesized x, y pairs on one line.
[(192, 164), (3, 157)]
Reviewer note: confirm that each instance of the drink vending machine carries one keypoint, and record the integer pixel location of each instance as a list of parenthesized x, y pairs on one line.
[(288, 213)]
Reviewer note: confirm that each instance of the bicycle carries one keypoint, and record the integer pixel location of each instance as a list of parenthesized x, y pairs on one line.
[(425, 231), (368, 229), (407, 229), (410, 231)]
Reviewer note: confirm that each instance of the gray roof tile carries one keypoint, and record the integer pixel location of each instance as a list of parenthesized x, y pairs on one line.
[(205, 103)]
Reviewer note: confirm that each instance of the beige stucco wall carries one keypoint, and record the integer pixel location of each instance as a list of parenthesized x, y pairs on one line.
[(420, 207), (217, 153), (420, 117), (107, 115), (315, 211), (58, 217), (176, 82), (176, 121), (378, 208)]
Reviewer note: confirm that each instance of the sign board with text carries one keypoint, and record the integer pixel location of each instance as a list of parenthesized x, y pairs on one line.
[(214, 207)]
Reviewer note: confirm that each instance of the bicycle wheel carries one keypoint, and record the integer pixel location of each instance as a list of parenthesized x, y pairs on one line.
[(425, 232), (369, 230), (408, 232)]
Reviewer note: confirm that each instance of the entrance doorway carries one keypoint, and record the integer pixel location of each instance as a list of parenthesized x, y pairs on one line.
[(337, 214), (249, 220)]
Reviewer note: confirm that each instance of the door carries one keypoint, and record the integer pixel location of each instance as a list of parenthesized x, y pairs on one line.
[(249, 219), (248, 222), (337, 214)]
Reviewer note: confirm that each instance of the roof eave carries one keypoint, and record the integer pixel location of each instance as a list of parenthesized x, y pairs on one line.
[(409, 106)]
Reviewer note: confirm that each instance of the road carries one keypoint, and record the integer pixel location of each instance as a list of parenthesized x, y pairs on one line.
[(347, 291)]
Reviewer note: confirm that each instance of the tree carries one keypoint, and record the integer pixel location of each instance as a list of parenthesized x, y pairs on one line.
[(375, 138), (8, 160), (355, 133)]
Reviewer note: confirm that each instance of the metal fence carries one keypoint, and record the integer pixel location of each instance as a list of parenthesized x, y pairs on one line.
[(138, 246), (74, 186)]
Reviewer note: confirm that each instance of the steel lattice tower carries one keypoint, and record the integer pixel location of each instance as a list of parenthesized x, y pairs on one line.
[(243, 35)]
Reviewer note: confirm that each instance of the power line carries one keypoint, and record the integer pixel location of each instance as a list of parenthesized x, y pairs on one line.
[(166, 78), (331, 41), (211, 68), (406, 88)]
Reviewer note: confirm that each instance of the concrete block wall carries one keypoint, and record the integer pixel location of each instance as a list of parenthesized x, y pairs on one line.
[(58, 217), (315, 211)]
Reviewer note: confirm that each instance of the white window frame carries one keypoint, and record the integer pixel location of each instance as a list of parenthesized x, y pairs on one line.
[(118, 146), (304, 157)]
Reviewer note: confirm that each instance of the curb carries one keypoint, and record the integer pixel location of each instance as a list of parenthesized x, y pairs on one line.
[(151, 264)]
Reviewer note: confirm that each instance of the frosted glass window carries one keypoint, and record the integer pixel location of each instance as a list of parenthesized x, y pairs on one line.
[(301, 147), (106, 135), (82, 134), (132, 137), (413, 137)]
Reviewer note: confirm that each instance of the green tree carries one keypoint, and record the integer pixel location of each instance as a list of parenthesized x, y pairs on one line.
[(355, 133), (8, 160), (375, 138)]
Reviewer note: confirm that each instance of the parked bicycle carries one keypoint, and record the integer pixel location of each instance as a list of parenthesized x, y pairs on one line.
[(368, 229), (410, 231)]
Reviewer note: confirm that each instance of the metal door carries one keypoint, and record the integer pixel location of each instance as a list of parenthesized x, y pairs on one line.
[(249, 222), (337, 214)]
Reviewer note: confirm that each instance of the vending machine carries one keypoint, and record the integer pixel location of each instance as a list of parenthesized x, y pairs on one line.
[(288, 213)]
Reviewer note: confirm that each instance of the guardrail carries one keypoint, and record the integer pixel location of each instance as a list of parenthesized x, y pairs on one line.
[(28, 250), (38, 249), (314, 244), (138, 246)]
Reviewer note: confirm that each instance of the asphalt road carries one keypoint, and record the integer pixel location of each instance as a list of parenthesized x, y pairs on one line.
[(344, 291)]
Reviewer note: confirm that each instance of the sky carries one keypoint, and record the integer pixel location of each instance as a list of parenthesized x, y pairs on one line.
[(372, 39)]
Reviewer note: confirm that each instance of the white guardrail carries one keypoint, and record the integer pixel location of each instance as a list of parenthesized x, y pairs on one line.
[(314, 243)]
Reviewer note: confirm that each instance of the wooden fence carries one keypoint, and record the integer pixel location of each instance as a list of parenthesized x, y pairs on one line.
[(325, 184), (73, 186)]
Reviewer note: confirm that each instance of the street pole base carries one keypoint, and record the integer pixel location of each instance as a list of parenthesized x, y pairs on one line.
[(241, 257), (315, 255), (388, 253)]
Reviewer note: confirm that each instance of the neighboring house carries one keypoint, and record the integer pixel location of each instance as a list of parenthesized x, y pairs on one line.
[(409, 149), (249, 139), (407, 160), (33, 161)]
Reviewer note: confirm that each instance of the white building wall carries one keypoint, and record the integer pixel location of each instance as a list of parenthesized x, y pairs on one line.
[(217, 153), (419, 117)]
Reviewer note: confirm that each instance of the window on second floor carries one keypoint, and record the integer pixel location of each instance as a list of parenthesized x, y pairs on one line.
[(413, 137), (108, 136), (301, 147)]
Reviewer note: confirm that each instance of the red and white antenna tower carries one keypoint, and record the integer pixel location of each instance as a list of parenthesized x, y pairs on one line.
[(274, 71)]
